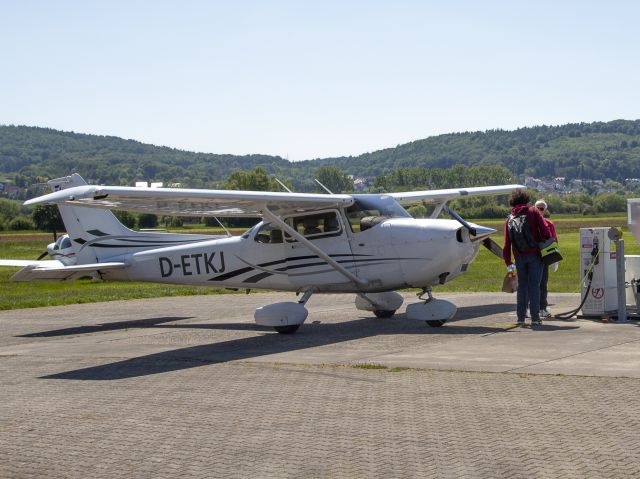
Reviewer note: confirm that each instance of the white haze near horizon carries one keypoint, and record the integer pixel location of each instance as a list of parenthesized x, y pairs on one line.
[(306, 80)]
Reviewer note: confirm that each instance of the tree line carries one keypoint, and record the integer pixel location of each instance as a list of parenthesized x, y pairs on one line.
[(14, 216)]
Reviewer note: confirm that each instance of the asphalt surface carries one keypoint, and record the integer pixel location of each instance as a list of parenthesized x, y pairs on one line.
[(191, 387)]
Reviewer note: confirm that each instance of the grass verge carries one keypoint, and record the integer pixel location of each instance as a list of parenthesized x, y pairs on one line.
[(485, 274)]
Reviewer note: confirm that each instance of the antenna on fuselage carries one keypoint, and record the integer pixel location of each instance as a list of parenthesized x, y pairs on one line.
[(223, 227), (325, 188), (283, 185)]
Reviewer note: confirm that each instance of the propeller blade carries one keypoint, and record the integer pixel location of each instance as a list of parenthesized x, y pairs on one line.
[(477, 233), (492, 246), (472, 230), (42, 256)]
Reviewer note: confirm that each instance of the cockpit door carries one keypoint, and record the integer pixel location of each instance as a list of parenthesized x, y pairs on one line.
[(327, 231), (370, 220)]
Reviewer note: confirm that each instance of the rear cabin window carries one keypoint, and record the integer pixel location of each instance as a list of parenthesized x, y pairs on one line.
[(315, 226)]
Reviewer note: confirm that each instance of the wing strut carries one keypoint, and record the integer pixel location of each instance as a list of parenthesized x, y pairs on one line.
[(321, 254)]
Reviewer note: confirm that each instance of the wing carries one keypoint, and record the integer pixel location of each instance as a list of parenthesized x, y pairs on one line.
[(53, 270), (440, 196), (191, 202)]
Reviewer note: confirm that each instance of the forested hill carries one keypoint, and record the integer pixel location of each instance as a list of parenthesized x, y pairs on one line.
[(587, 150), (581, 150), (34, 151)]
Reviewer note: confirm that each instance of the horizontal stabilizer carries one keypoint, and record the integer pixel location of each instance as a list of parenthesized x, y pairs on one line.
[(25, 262), (50, 271)]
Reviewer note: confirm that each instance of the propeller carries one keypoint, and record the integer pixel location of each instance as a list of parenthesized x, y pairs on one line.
[(46, 252), (478, 233), (492, 246)]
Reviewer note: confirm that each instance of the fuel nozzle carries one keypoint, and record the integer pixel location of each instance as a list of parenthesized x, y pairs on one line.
[(595, 250)]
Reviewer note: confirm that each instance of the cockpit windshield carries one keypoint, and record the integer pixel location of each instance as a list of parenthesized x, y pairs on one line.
[(373, 209), (378, 205)]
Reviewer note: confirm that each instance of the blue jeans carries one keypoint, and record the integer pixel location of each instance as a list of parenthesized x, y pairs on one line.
[(529, 269), (544, 304)]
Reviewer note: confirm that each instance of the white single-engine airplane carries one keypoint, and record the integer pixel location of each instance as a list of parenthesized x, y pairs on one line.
[(306, 243)]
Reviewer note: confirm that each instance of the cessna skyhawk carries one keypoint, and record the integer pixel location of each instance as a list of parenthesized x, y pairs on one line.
[(366, 244)]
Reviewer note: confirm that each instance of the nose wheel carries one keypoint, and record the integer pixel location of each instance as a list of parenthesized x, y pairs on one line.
[(435, 312), (381, 313), (287, 329), (436, 323)]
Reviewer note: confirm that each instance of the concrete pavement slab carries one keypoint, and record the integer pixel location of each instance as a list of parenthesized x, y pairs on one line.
[(191, 387)]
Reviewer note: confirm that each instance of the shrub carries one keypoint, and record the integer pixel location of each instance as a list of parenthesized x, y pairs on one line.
[(173, 221), (147, 220), (126, 218), (21, 223), (609, 203), (417, 211)]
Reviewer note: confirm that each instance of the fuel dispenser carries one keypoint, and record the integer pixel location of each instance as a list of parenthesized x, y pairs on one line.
[(610, 280), (598, 270)]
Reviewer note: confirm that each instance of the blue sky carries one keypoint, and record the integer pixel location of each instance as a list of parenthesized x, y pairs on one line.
[(310, 80)]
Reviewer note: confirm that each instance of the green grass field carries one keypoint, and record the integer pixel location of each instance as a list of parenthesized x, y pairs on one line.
[(487, 271), (485, 274)]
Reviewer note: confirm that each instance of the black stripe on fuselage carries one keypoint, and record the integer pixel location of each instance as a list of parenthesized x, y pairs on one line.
[(237, 272), (266, 274), (185, 241), (146, 245), (231, 274), (312, 256), (257, 277), (97, 233)]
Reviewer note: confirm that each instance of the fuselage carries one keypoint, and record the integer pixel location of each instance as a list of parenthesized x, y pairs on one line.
[(377, 241)]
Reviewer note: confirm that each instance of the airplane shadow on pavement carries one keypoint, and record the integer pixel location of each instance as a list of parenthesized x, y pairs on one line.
[(310, 335)]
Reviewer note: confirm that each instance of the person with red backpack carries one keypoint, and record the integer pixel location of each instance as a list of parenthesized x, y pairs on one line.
[(524, 229)]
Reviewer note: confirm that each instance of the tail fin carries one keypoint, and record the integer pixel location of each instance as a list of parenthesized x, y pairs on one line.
[(98, 236), (78, 221), (84, 225)]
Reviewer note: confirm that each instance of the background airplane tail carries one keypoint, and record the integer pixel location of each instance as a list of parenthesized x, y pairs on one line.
[(78, 221)]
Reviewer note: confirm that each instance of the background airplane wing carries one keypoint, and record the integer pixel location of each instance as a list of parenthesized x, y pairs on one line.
[(191, 202), (50, 263), (440, 196)]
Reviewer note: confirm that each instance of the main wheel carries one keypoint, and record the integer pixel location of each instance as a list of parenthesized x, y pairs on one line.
[(287, 329), (381, 313), (436, 323)]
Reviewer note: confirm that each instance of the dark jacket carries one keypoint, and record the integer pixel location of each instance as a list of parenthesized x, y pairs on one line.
[(539, 228)]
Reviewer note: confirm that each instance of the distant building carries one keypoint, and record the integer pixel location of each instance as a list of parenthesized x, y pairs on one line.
[(360, 184), (11, 190), (150, 184)]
